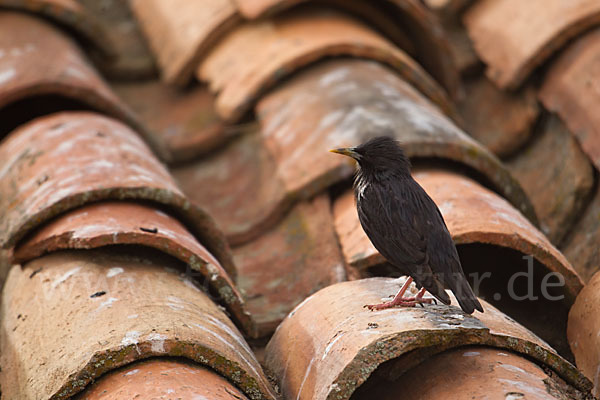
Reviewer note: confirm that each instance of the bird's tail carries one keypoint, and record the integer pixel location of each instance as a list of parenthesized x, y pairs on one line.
[(465, 296)]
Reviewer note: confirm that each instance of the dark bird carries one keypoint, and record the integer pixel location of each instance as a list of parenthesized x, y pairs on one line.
[(405, 225)]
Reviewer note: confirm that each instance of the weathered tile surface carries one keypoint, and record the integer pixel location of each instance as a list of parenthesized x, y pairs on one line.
[(89, 312), (557, 176), (39, 59), (330, 344), (572, 90), (133, 59), (63, 161), (162, 379), (71, 14), (426, 35), (118, 223), (466, 373), (513, 37), (285, 265), (502, 121), (181, 31), (581, 247), (255, 55), (238, 186), (583, 331), (342, 103), (183, 122)]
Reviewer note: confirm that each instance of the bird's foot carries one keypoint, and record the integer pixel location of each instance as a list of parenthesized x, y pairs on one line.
[(402, 302)]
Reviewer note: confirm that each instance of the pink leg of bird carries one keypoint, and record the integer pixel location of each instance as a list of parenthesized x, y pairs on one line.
[(400, 300)]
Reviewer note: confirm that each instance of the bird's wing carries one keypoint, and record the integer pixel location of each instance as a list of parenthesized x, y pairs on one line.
[(403, 227), (392, 227)]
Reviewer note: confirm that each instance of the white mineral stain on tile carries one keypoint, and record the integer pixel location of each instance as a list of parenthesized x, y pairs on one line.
[(7, 75), (330, 345), (513, 368), (334, 76), (132, 316), (132, 372), (131, 337), (65, 276), (158, 342), (76, 73), (114, 271), (107, 303), (471, 353)]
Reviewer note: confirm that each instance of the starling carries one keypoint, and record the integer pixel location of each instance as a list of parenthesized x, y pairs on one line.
[(405, 225)]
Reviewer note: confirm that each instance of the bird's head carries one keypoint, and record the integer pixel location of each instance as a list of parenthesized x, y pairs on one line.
[(380, 154)]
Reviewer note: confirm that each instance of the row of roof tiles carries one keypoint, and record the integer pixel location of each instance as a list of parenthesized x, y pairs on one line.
[(281, 217)]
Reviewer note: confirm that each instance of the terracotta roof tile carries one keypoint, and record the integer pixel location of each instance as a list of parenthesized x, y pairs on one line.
[(183, 122), (343, 103), (112, 308), (287, 264), (181, 31), (159, 378), (71, 15), (330, 344), (428, 40), (561, 188), (571, 90), (501, 121), (133, 59), (238, 186), (581, 246), (117, 223), (584, 327), (256, 54), (63, 161), (514, 37), (25, 41), (473, 372), (120, 279), (477, 216)]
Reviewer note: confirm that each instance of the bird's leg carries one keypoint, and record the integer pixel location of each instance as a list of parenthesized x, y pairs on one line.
[(420, 300), (397, 300)]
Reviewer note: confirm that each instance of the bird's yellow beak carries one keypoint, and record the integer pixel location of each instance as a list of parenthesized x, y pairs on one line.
[(347, 151)]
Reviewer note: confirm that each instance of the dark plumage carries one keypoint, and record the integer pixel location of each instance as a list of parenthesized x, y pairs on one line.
[(405, 225)]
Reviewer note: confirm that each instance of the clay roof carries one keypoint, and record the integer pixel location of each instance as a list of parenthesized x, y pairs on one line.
[(172, 225)]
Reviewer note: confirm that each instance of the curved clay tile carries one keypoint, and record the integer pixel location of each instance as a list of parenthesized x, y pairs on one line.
[(254, 56), (115, 223), (344, 102), (560, 189), (238, 186), (182, 31), (162, 379), (501, 121), (299, 256), (62, 161), (475, 215), (90, 312), (513, 37), (583, 331), (184, 123), (330, 344), (37, 59), (424, 30), (71, 14), (133, 59), (472, 372), (571, 90), (581, 247)]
